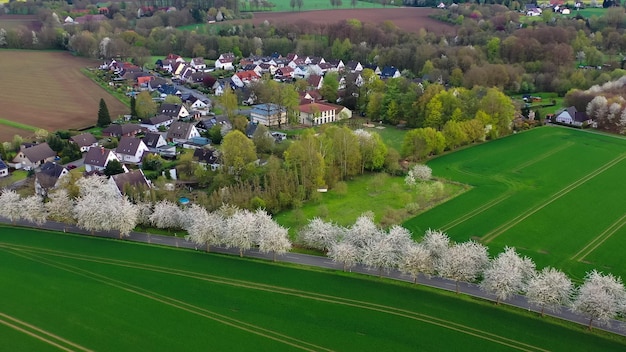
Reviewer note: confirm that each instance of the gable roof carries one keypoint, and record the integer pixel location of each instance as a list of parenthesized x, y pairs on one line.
[(84, 139), (315, 107), (179, 130), (247, 75), (3, 165), (314, 80), (205, 155), (170, 109), (49, 174), (128, 145), (151, 139), (158, 119), (133, 178), (266, 109), (119, 130), (97, 156), (39, 152)]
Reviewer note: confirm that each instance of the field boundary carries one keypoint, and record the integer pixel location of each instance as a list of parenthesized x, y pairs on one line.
[(40, 334), (600, 239), (490, 236), (468, 330), (18, 125), (542, 156)]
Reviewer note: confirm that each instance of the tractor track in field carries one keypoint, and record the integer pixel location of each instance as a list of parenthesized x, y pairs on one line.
[(40, 334), (600, 239), (490, 236), (34, 253)]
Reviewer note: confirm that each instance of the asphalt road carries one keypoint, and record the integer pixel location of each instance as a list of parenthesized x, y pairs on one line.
[(520, 301)]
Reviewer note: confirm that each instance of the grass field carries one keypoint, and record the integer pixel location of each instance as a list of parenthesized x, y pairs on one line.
[(553, 193), (54, 95), (378, 193), (83, 293), (308, 5)]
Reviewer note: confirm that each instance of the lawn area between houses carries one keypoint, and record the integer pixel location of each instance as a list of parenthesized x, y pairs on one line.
[(87, 293), (553, 193), (386, 196)]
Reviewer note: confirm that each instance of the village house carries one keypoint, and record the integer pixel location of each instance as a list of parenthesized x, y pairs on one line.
[(33, 156), (84, 141), (570, 116), (49, 177), (243, 78), (127, 129), (4, 169), (154, 123), (156, 143), (131, 150), (268, 114), (198, 64), (97, 159), (181, 132), (314, 114), (177, 111), (131, 181), (207, 158)]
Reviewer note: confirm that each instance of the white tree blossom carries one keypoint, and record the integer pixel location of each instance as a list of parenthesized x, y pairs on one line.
[(96, 208), (3, 37), (320, 234), (463, 262), (597, 109), (418, 172), (379, 254), (363, 231), (507, 274), (345, 253), (127, 217), (9, 205), (550, 288), (60, 206), (33, 209), (167, 215), (271, 237), (241, 230), (600, 298), (205, 228), (145, 210), (415, 260), (437, 243)]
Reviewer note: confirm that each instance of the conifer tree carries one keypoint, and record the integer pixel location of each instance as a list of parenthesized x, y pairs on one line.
[(104, 119)]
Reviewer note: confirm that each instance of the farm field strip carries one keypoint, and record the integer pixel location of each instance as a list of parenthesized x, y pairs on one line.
[(600, 239), (39, 334), (509, 224), (220, 318), (476, 211), (542, 157), (38, 254)]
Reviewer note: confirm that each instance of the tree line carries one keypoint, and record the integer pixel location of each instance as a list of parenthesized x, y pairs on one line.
[(600, 298)]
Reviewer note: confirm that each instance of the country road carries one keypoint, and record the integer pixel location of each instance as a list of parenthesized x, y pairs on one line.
[(520, 301)]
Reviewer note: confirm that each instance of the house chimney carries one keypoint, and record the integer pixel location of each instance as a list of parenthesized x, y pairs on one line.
[(102, 150)]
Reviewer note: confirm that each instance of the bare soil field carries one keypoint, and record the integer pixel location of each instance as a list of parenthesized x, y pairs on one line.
[(47, 90), (13, 21), (409, 19)]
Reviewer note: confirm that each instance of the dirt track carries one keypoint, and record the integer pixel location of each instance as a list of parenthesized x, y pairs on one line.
[(410, 19)]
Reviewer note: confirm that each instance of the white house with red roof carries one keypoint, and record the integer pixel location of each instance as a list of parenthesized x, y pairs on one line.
[(244, 78)]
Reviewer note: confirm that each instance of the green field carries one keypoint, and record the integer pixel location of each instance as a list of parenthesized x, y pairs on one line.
[(553, 193), (308, 5), (84, 293)]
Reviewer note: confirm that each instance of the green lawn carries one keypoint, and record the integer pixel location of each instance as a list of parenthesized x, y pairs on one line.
[(86, 293), (384, 195), (18, 125), (553, 193)]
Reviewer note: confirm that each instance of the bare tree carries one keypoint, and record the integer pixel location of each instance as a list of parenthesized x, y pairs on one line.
[(507, 274), (601, 298), (550, 288)]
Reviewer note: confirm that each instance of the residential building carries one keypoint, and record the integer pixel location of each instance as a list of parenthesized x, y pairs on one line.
[(4, 169), (97, 159), (131, 150), (49, 177), (181, 132), (34, 156), (127, 129), (84, 141), (131, 181), (268, 114)]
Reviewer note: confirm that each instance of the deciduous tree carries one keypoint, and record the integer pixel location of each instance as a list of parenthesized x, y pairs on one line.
[(204, 228), (345, 253), (507, 274), (550, 288), (463, 262), (60, 206), (237, 152), (601, 298), (166, 215), (320, 234), (33, 209), (241, 230), (145, 106), (416, 260), (9, 205), (271, 237)]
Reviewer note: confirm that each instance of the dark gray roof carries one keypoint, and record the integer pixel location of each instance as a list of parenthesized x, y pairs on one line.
[(128, 145), (179, 130), (97, 156), (39, 152), (84, 139), (151, 139), (133, 178), (3, 165), (158, 119), (205, 155), (49, 174), (120, 130)]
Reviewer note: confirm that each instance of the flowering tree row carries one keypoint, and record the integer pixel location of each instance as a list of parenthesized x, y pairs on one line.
[(600, 298), (100, 208)]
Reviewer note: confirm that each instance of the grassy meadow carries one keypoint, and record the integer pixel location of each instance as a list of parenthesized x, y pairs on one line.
[(553, 193), (83, 293), (308, 5)]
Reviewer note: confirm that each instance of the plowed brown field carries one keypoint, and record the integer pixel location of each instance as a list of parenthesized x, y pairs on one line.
[(410, 19), (47, 90)]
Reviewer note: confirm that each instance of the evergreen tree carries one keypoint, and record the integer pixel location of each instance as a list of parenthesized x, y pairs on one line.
[(104, 119), (133, 106), (113, 167)]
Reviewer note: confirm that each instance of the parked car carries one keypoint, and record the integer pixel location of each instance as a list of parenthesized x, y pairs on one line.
[(71, 167)]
